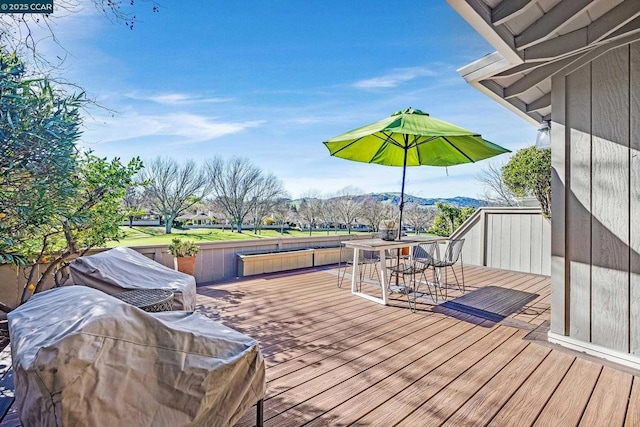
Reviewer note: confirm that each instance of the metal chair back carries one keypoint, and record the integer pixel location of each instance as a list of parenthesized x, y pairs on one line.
[(453, 251)]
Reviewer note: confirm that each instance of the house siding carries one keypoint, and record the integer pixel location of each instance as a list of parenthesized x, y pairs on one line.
[(596, 205)]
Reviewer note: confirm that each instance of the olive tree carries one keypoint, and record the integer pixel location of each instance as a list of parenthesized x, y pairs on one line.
[(89, 214), (38, 131), (55, 203)]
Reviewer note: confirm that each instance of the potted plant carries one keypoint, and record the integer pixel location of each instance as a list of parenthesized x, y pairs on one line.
[(184, 252), (388, 229)]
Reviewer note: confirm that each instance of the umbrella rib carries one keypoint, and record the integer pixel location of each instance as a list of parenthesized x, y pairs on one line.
[(418, 151), (346, 146), (387, 139), (459, 150)]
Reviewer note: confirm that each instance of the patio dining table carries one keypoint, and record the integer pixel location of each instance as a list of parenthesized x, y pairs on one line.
[(382, 246)]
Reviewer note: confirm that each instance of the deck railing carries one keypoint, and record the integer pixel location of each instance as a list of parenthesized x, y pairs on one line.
[(517, 239)]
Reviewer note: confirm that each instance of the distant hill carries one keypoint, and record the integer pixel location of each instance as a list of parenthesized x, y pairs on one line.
[(459, 201), (394, 198)]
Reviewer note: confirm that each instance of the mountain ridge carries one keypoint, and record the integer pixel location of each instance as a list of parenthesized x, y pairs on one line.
[(391, 197), (459, 201)]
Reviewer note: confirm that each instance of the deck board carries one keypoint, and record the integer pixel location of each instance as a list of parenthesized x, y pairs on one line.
[(604, 406), (481, 407), (335, 359), (633, 410), (568, 402), (531, 396)]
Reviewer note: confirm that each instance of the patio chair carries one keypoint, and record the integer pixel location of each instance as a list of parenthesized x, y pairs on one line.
[(422, 259), (123, 269), (365, 258), (449, 259), (397, 262)]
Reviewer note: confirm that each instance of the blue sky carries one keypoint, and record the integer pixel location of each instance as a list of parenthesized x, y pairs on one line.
[(271, 80)]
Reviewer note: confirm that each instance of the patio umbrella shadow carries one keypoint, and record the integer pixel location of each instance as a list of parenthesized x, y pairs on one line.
[(491, 303)]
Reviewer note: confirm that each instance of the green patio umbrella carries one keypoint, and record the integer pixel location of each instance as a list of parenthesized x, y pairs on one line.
[(412, 138)]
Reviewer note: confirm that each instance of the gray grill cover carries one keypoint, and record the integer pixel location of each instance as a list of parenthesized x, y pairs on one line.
[(82, 357), (120, 269)]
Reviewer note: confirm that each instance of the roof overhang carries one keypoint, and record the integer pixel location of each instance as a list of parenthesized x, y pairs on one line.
[(535, 39)]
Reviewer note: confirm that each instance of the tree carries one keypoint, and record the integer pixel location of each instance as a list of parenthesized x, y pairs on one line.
[(268, 193), (25, 32), (282, 213), (528, 173), (38, 131), (328, 214), (173, 188), (497, 192), (374, 211), (310, 210), (242, 188), (134, 201), (449, 218), (87, 214), (347, 207), (418, 217)]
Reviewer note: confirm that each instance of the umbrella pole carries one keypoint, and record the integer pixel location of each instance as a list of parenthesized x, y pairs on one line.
[(404, 173)]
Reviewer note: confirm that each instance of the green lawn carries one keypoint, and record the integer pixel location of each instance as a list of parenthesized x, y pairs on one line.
[(142, 236)]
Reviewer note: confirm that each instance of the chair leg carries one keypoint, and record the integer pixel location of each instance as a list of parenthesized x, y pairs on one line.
[(446, 284), (343, 268), (460, 288), (412, 290), (260, 413), (434, 294)]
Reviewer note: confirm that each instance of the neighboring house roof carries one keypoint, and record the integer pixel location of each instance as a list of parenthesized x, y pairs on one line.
[(191, 217), (218, 215), (536, 39)]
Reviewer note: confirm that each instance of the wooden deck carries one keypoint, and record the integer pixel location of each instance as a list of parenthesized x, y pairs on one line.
[(479, 359)]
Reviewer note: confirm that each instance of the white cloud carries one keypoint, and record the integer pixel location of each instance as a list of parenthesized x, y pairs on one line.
[(394, 78), (178, 98), (189, 128)]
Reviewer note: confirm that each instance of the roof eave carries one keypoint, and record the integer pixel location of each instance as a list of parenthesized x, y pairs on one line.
[(473, 12)]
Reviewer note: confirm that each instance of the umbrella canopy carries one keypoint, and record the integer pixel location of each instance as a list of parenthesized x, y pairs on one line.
[(412, 138)]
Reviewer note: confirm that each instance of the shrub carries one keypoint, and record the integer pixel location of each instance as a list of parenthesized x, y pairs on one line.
[(182, 248)]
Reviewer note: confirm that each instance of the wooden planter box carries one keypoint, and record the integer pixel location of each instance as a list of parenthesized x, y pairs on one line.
[(327, 256), (251, 264)]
